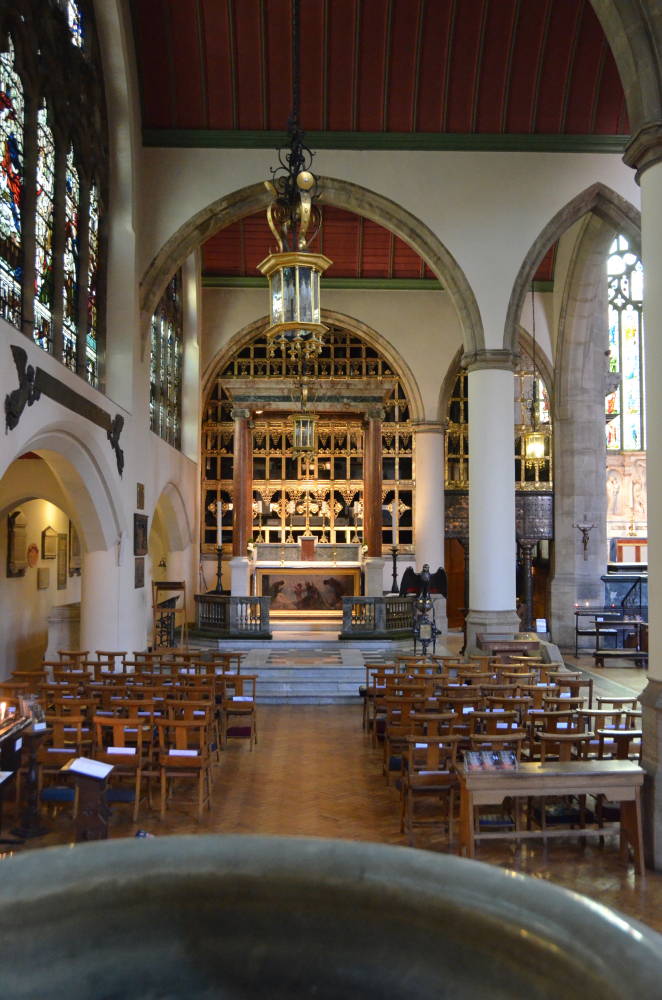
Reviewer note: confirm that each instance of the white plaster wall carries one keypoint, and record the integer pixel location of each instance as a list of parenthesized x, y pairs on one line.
[(24, 633), (486, 208), (421, 326)]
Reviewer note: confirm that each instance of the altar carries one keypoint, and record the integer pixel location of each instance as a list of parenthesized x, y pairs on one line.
[(306, 579)]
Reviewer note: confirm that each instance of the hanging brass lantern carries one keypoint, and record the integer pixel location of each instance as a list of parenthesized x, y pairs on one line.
[(304, 436), (294, 272), (534, 445)]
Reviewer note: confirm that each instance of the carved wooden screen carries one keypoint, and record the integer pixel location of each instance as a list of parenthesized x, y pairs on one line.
[(323, 494)]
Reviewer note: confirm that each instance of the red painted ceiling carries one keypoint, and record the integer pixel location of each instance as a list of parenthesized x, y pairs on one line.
[(481, 66), (358, 248)]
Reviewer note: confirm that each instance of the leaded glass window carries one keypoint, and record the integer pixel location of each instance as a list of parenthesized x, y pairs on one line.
[(165, 407), (75, 20), (50, 81), (11, 187), (321, 494), (43, 304), (624, 406), (530, 474), (91, 360), (71, 261)]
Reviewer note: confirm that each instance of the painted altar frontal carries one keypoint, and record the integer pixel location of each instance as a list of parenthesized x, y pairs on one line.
[(306, 579)]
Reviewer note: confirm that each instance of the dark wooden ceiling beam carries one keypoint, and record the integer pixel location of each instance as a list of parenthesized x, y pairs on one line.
[(355, 63), (325, 68), (574, 40), (202, 57), (170, 60), (264, 65), (505, 102), (232, 55), (598, 86), (447, 64), (387, 63), (540, 63), (420, 19), (479, 63)]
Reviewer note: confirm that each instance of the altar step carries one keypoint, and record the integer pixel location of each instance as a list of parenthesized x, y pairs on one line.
[(318, 685)]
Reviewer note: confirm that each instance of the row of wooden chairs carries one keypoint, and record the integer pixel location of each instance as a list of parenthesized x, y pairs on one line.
[(425, 736)]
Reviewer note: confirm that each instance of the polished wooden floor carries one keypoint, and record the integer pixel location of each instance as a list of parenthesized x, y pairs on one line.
[(314, 773)]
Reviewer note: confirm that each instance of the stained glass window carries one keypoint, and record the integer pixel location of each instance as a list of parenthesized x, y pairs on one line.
[(624, 406), (92, 289), (71, 259), (165, 405), (43, 303), (75, 20), (11, 187)]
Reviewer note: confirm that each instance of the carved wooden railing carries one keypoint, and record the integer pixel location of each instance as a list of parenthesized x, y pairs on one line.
[(233, 617), (377, 617)]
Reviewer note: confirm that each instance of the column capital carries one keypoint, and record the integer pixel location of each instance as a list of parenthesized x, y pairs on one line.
[(429, 426), (488, 358), (240, 413), (644, 149), (375, 412)]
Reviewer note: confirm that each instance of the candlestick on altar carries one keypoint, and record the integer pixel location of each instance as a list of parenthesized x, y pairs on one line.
[(219, 520), (219, 570)]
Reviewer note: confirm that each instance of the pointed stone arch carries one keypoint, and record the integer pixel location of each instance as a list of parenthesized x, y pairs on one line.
[(174, 518), (342, 194), (599, 199)]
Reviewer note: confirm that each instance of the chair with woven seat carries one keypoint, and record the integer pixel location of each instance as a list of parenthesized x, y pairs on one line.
[(199, 710), (184, 756), (429, 776)]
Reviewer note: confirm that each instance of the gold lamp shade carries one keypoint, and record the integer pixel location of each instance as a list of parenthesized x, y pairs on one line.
[(294, 294), (304, 433), (534, 445)]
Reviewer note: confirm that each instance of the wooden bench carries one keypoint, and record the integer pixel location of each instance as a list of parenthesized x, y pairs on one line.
[(638, 656)]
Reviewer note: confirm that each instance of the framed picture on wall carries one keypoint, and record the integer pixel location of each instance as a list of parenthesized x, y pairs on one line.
[(62, 547), (140, 534), (139, 573), (140, 496), (43, 577), (49, 543), (75, 560), (17, 544)]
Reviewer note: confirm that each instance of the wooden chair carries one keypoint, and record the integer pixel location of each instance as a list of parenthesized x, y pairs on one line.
[(73, 655), (239, 708), (64, 741), (110, 660), (119, 741), (397, 727), (429, 775), (184, 755), (199, 711)]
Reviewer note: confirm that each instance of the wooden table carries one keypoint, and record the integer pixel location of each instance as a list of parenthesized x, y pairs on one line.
[(618, 780)]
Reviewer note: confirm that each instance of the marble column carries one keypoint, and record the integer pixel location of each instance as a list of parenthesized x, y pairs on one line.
[(429, 504), (372, 502), (645, 152), (492, 553), (242, 497)]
